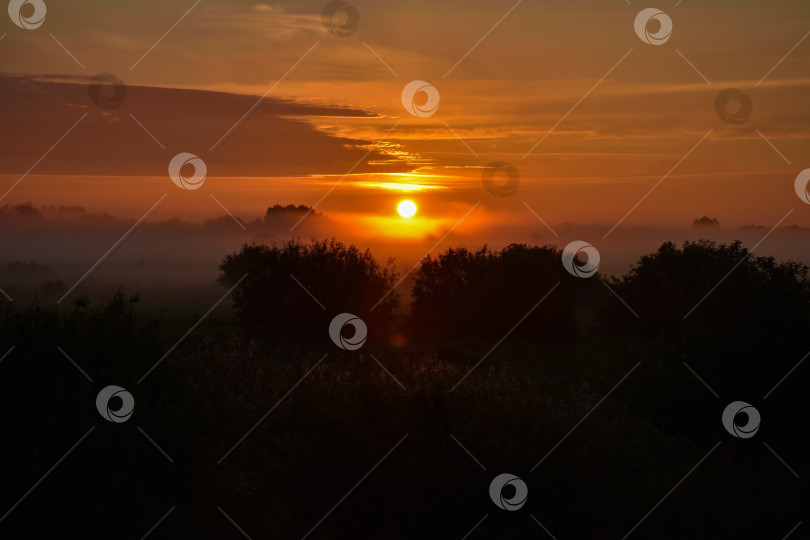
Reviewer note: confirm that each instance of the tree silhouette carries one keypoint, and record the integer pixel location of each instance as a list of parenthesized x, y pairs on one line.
[(707, 222), (484, 293), (744, 295), (270, 300)]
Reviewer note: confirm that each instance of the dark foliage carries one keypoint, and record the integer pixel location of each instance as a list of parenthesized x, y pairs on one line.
[(482, 294), (279, 210), (739, 320), (706, 222), (271, 305), (275, 439), (705, 289)]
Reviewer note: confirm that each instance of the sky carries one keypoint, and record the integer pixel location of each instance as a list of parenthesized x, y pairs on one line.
[(603, 129)]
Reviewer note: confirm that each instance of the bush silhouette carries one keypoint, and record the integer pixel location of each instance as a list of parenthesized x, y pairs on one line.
[(271, 305), (484, 293), (759, 297)]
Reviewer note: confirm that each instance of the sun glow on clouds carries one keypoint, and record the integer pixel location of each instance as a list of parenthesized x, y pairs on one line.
[(410, 182), (393, 226), (399, 187)]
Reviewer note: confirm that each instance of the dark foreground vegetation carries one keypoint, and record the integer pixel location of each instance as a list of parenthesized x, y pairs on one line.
[(542, 404)]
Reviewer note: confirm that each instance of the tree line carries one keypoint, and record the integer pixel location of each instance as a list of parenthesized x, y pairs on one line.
[(700, 289)]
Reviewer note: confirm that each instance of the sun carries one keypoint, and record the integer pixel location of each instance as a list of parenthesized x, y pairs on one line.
[(407, 209)]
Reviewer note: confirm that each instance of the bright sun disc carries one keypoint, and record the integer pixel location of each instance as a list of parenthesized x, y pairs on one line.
[(407, 209)]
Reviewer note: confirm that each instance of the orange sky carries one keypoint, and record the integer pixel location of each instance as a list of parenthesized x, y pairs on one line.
[(503, 97)]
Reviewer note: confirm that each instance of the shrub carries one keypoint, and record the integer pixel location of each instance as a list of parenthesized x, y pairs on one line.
[(744, 295), (484, 293), (340, 277)]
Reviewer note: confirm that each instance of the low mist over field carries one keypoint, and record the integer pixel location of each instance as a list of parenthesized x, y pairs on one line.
[(59, 244)]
